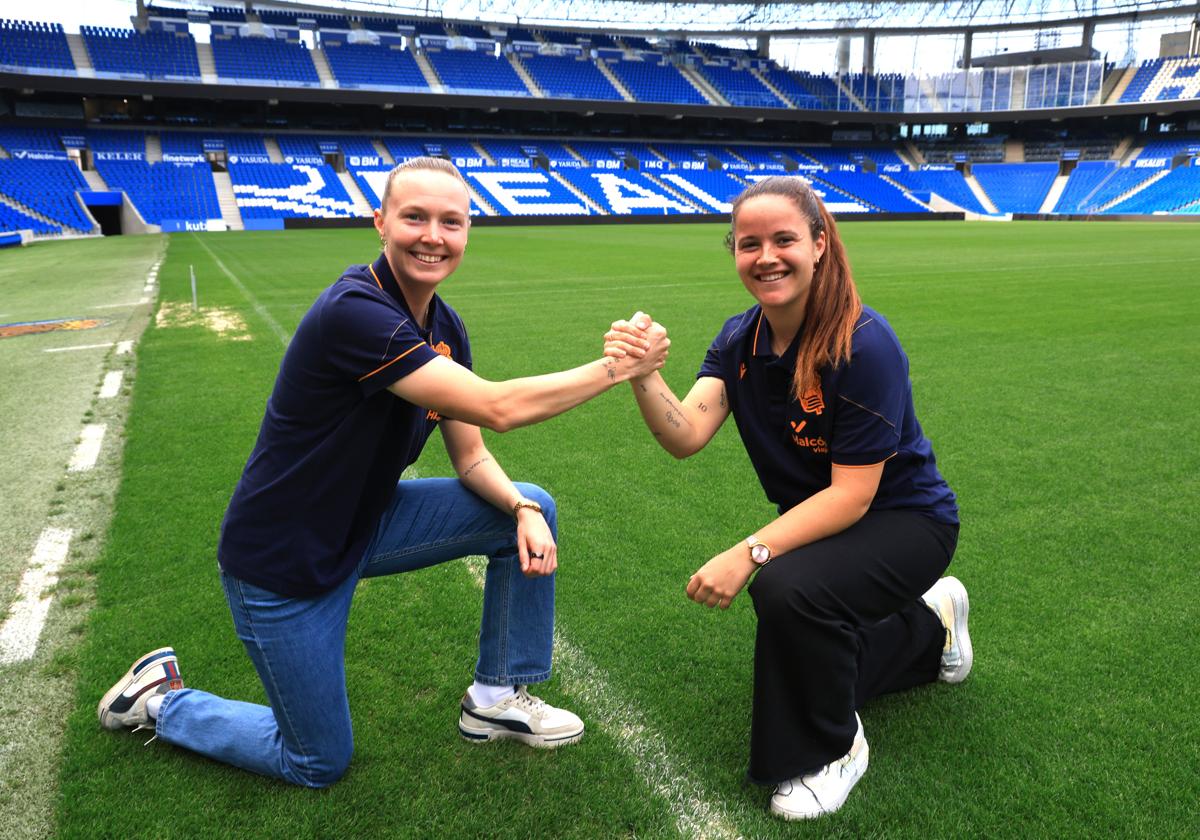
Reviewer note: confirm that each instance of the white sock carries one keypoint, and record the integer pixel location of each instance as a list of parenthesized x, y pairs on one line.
[(489, 695), (152, 706)]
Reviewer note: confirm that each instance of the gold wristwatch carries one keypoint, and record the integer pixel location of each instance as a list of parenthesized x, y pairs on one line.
[(760, 552)]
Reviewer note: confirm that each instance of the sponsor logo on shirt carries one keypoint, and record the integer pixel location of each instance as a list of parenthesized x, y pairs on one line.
[(816, 444)]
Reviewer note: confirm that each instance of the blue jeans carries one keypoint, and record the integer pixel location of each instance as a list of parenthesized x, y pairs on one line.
[(298, 644)]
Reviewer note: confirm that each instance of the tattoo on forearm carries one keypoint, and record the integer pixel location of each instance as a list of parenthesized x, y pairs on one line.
[(468, 470), (642, 386), (674, 413), (610, 368), (702, 407), (722, 398)]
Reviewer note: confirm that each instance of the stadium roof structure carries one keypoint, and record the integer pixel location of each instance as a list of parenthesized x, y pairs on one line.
[(736, 17)]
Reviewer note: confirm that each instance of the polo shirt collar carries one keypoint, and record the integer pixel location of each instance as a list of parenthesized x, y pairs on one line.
[(381, 274), (762, 341)]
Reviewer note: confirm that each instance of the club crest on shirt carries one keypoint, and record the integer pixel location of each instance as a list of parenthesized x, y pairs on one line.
[(443, 349), (813, 401)]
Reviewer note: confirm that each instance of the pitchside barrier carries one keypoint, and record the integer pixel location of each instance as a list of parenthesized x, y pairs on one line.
[(680, 219), (1126, 217)]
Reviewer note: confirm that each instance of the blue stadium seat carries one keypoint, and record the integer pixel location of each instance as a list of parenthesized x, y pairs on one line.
[(32, 44), (182, 191), (283, 60), (949, 184), (466, 72), (525, 192), (569, 77), (373, 65), (48, 187), (1084, 179), (740, 87), (1016, 187), (653, 79), (154, 54), (282, 191)]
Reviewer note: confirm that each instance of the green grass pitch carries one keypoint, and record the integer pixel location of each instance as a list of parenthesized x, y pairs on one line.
[(1054, 368)]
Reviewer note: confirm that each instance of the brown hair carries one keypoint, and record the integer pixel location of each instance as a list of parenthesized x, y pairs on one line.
[(833, 304), (434, 164)]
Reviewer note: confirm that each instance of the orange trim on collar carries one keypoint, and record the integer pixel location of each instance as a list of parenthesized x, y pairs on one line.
[(377, 283), (393, 361), (754, 349)]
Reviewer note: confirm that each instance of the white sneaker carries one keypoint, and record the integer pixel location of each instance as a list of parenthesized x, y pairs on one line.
[(522, 716), (823, 791), (948, 599), (125, 703)]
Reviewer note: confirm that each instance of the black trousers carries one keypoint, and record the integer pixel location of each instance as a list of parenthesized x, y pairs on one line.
[(840, 621)]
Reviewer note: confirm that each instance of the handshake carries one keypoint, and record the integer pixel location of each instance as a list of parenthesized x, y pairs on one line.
[(637, 346)]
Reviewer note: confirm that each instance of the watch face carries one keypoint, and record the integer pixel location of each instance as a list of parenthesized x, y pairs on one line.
[(760, 554)]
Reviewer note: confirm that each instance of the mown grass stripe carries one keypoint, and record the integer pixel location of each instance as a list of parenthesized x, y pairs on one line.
[(279, 331), (21, 630)]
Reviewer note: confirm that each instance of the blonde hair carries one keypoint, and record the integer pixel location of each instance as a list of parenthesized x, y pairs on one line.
[(428, 164)]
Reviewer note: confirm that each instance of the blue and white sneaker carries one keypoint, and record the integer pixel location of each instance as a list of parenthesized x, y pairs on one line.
[(948, 599), (522, 716), (125, 703)]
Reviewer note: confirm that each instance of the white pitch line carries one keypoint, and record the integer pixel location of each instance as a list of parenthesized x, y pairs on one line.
[(112, 384), (77, 347), (279, 331), (124, 347), (88, 450), (124, 305), (21, 630), (695, 815)]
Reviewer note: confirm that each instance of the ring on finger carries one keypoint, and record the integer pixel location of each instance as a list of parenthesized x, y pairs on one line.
[(536, 556)]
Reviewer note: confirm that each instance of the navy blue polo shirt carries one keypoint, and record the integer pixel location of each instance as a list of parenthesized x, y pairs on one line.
[(334, 440), (861, 414)]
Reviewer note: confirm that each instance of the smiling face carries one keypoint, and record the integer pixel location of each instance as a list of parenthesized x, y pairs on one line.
[(423, 225), (774, 251)]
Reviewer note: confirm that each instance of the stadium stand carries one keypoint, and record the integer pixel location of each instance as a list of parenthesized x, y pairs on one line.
[(26, 43), (1178, 189), (182, 191), (1016, 187), (15, 138), (569, 77), (626, 193), (154, 54), (12, 219), (808, 91), (713, 191), (516, 192), (384, 65), (1119, 182), (947, 183), (871, 191), (282, 60), (653, 78), (466, 72), (740, 87), (1085, 178), (765, 158), (48, 187), (281, 190)]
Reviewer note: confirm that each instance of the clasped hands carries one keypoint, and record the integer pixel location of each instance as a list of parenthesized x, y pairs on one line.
[(639, 345), (719, 580)]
